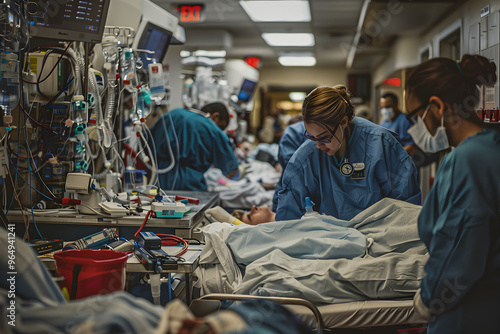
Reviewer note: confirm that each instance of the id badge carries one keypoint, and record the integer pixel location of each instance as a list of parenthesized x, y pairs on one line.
[(359, 171)]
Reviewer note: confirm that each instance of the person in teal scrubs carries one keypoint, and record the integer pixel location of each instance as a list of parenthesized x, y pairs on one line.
[(460, 219), (198, 142), (348, 164)]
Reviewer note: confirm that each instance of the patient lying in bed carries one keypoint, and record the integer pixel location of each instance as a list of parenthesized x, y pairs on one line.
[(376, 255), (257, 215)]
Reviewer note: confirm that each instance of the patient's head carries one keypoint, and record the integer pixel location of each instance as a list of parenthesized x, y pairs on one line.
[(257, 215)]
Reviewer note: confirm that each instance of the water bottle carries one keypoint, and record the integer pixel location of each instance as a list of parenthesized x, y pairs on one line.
[(309, 209), (9, 85)]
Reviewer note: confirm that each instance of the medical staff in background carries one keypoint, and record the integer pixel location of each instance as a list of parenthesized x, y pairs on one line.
[(290, 141), (394, 120), (460, 219), (197, 141), (348, 164)]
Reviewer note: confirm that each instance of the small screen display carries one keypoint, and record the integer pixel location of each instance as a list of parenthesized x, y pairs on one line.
[(75, 20), (155, 39), (246, 90)]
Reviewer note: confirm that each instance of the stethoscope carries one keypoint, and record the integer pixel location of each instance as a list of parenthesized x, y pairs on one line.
[(346, 168)]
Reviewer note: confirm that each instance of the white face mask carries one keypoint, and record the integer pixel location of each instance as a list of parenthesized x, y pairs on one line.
[(424, 139), (387, 113)]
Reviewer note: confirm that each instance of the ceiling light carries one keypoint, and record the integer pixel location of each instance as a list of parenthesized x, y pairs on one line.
[(284, 39), (297, 96), (297, 61), (204, 53), (277, 11)]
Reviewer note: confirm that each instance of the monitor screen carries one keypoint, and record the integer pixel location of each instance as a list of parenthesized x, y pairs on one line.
[(70, 20), (155, 38), (246, 90)]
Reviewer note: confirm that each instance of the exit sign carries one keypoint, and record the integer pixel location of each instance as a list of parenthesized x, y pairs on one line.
[(191, 13)]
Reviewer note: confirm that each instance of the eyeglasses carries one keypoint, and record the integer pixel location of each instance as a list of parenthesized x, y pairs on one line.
[(414, 112), (323, 140)]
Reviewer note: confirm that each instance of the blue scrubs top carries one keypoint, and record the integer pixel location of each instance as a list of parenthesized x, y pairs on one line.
[(292, 138), (400, 125), (460, 225), (389, 170), (201, 144)]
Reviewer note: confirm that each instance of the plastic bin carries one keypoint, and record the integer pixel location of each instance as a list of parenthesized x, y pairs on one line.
[(91, 272)]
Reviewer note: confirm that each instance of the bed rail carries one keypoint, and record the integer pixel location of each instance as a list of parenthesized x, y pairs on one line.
[(280, 300)]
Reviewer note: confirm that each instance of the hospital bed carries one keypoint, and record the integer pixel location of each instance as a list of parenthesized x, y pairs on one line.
[(373, 316), (364, 299)]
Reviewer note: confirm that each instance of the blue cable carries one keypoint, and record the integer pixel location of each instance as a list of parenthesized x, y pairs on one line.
[(17, 172), (17, 161)]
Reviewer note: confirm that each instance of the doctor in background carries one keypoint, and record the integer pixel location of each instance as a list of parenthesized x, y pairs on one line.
[(198, 142)]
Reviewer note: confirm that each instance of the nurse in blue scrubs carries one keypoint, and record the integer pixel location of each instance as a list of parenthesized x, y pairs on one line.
[(290, 141), (198, 142), (292, 138), (460, 219), (348, 164), (394, 120)]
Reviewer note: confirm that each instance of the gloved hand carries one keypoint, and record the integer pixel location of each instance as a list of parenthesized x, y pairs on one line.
[(420, 308), (220, 215)]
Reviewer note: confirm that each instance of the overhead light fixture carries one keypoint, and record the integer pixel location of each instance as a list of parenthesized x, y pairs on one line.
[(297, 60), (204, 53), (297, 96), (288, 39), (278, 11)]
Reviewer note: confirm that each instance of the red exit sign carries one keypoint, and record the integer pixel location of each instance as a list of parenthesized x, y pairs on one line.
[(191, 13)]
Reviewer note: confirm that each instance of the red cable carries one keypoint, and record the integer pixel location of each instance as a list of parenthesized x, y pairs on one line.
[(144, 223), (166, 237)]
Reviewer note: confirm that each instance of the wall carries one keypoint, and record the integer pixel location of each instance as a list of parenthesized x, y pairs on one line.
[(406, 54), (302, 76)]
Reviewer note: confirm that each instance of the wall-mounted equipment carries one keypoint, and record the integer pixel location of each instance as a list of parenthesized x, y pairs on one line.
[(242, 79), (154, 28), (69, 20)]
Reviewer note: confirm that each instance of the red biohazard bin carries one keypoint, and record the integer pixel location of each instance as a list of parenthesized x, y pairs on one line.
[(91, 272)]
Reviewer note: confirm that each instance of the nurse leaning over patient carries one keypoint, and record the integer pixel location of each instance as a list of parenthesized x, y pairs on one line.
[(348, 164)]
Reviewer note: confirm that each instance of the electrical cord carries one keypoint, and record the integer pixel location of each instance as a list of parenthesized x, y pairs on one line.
[(29, 177), (26, 225), (143, 223)]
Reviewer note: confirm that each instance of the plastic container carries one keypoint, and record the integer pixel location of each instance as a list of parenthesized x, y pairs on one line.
[(309, 209), (91, 272), (134, 178), (156, 81)]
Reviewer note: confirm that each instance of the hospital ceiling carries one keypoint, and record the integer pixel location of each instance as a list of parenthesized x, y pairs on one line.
[(334, 25)]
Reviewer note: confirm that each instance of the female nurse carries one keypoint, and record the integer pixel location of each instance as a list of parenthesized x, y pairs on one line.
[(347, 165), (460, 219)]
